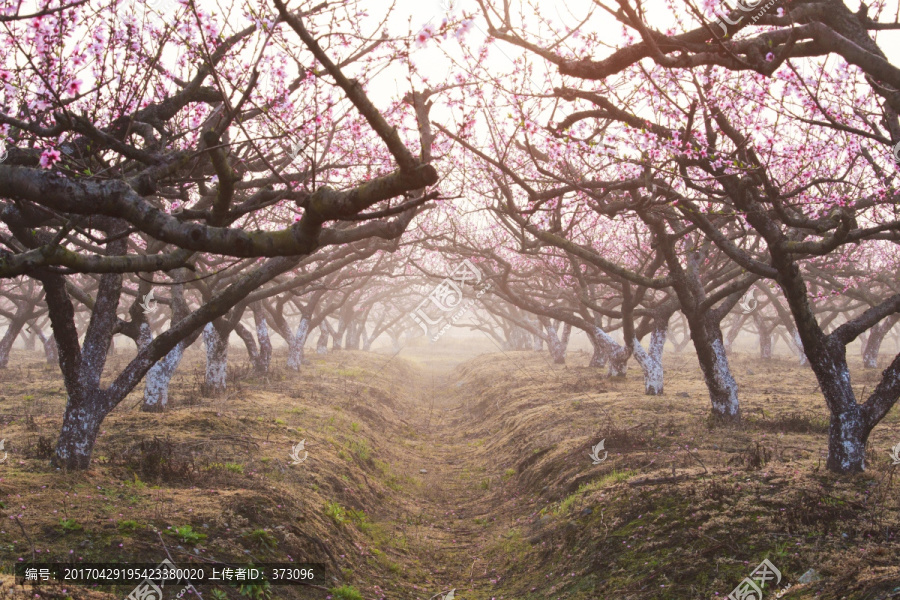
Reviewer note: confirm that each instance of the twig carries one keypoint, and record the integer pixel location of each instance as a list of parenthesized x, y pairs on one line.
[(658, 480), (28, 537), (697, 458), (190, 585)]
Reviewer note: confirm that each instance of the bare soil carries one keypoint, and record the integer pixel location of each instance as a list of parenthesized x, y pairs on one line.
[(426, 475)]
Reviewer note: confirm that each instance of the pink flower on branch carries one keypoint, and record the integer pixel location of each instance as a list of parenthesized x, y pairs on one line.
[(423, 36), (49, 158), (74, 87)]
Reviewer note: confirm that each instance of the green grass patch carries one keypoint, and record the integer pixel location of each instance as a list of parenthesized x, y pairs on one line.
[(70, 525), (336, 512), (186, 534), (345, 592)]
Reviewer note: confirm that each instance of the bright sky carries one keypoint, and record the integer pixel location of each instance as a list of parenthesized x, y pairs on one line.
[(420, 12)]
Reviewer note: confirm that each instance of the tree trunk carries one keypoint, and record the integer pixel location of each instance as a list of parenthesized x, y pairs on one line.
[(650, 361), (265, 341), (723, 390), (537, 344), (353, 334), (156, 386), (557, 347), (798, 347), (734, 331), (252, 349), (81, 424), (847, 434), (30, 342), (156, 389), (216, 360), (50, 350), (9, 338), (616, 355), (336, 336), (598, 358), (764, 332), (298, 341), (322, 342), (872, 345)]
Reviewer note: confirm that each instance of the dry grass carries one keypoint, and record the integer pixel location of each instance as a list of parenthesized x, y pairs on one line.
[(510, 505)]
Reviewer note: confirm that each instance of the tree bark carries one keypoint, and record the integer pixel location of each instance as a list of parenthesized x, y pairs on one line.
[(616, 356), (9, 338), (49, 344), (537, 344), (81, 424), (265, 341), (298, 341), (252, 349), (395, 341), (764, 333), (216, 360), (354, 330), (336, 336), (851, 422), (156, 389), (322, 342), (734, 331), (723, 390), (873, 342), (798, 348), (556, 344), (650, 360)]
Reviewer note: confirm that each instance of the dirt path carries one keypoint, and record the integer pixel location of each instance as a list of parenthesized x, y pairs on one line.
[(451, 511)]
